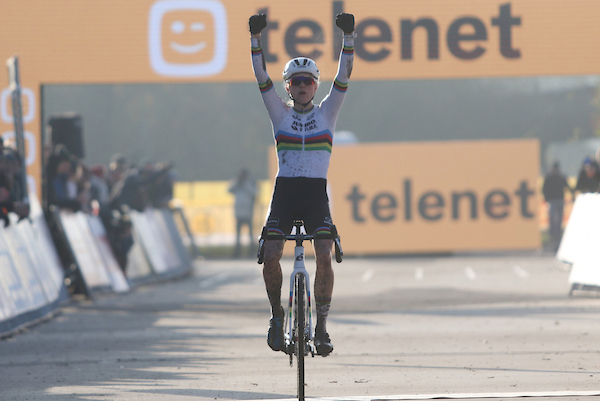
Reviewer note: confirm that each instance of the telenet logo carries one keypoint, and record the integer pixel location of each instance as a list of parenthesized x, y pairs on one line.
[(187, 38)]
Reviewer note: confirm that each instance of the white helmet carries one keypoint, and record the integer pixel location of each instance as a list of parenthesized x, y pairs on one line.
[(300, 65)]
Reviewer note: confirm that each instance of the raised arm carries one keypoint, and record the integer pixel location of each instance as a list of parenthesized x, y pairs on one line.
[(274, 104), (333, 102)]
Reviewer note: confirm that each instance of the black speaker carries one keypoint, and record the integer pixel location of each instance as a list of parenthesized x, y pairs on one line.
[(67, 129)]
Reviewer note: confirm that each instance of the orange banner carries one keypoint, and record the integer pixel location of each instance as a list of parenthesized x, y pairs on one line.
[(63, 41), (115, 41), (435, 196)]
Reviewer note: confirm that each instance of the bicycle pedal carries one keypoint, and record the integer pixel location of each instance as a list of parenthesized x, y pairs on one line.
[(289, 349)]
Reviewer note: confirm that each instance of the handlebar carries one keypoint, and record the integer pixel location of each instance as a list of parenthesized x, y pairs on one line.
[(299, 238)]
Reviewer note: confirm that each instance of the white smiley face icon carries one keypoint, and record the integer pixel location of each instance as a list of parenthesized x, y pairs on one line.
[(187, 38), (179, 27)]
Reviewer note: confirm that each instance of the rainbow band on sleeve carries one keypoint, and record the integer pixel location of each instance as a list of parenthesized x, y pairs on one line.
[(348, 50), (256, 51), (265, 86), (340, 86)]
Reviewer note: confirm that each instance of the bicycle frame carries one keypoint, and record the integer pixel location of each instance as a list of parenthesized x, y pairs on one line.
[(299, 311), (299, 269)]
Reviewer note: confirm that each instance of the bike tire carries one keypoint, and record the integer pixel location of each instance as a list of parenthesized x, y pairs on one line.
[(300, 321)]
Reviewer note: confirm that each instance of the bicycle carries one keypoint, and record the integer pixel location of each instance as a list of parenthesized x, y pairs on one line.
[(299, 335)]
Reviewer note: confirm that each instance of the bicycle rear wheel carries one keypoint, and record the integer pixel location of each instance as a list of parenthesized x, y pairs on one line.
[(300, 341)]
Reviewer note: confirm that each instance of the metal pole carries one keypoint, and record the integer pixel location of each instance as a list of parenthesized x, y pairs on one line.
[(15, 89)]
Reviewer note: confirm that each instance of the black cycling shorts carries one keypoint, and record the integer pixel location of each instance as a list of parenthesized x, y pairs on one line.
[(299, 198)]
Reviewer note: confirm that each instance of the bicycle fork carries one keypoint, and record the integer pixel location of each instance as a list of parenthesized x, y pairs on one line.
[(299, 269)]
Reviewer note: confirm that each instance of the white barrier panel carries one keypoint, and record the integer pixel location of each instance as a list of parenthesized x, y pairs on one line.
[(169, 221), (26, 263), (31, 276), (41, 243), (32, 289), (586, 269), (579, 232), (14, 290), (138, 266), (153, 250), (86, 253), (6, 307), (163, 236), (579, 245), (117, 278), (160, 245)]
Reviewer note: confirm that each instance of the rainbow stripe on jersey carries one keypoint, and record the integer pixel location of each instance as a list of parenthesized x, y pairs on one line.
[(318, 141)]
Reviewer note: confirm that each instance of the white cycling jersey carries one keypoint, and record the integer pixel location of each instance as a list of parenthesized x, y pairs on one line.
[(304, 139)]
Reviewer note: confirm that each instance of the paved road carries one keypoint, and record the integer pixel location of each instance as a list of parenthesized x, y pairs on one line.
[(495, 326)]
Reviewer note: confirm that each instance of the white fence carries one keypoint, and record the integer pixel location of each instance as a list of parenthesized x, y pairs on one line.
[(32, 276)]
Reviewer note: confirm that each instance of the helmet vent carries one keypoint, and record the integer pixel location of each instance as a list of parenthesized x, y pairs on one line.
[(300, 65)]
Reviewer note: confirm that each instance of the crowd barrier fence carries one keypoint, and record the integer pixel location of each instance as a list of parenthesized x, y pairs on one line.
[(32, 273), (579, 244), (158, 251)]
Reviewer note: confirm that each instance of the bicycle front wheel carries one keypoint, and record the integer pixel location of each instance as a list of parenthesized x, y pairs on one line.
[(300, 340)]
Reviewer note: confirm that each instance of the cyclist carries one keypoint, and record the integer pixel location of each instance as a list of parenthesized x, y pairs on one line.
[(303, 134)]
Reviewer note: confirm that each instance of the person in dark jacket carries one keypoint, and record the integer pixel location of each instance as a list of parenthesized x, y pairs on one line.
[(553, 190), (589, 177)]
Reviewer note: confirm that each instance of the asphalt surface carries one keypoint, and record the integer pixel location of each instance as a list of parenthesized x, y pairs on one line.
[(462, 327)]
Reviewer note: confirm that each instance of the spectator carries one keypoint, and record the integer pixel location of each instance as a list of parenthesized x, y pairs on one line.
[(99, 191), (119, 232), (130, 192), (134, 188), (116, 170), (589, 177), (553, 190), (11, 194), (62, 188), (160, 191), (13, 170), (244, 190)]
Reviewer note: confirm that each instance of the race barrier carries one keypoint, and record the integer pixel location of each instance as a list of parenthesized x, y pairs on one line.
[(40, 262), (158, 251), (579, 244), (159, 242), (31, 275), (96, 262)]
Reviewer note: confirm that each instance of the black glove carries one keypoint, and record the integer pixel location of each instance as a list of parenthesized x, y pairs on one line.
[(345, 22), (257, 23)]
